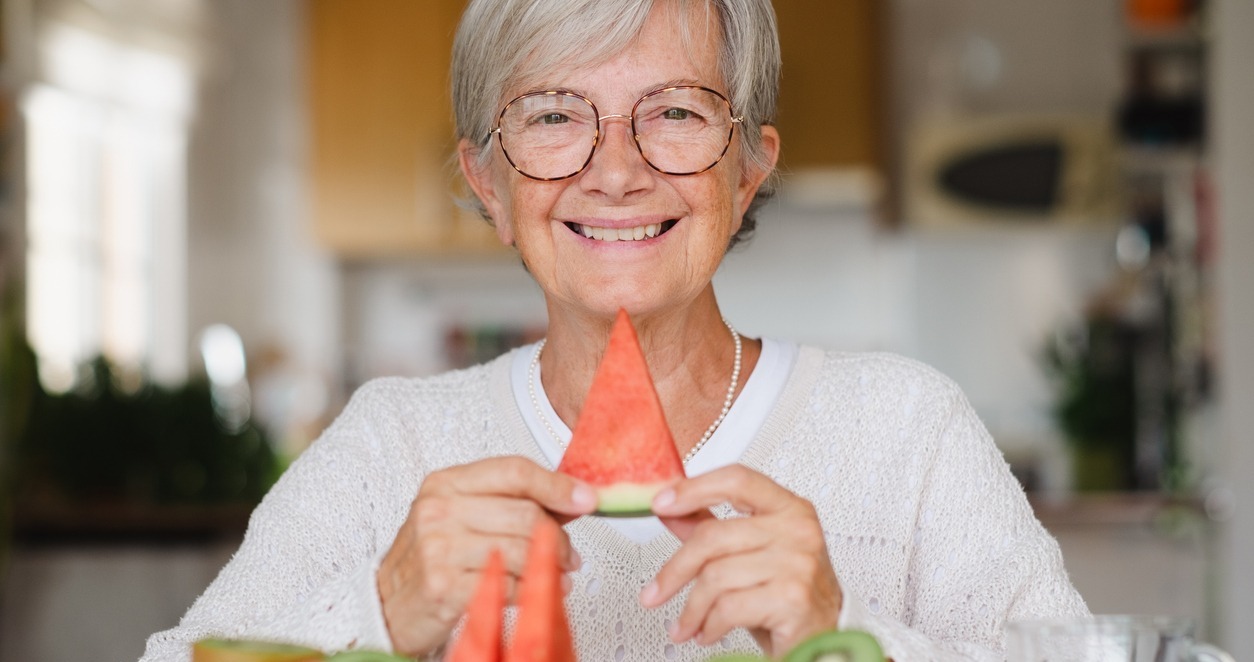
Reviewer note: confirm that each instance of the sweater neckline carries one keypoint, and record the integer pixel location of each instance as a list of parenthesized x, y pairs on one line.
[(756, 456)]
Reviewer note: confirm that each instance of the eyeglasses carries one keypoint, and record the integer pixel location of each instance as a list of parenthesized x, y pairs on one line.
[(552, 135)]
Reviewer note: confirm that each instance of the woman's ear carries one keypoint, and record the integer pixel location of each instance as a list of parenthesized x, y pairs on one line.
[(480, 178), (755, 173)]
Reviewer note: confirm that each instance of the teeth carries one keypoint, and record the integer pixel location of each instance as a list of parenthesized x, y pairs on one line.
[(621, 234)]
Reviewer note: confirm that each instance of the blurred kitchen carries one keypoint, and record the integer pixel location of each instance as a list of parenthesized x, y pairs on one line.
[(218, 217)]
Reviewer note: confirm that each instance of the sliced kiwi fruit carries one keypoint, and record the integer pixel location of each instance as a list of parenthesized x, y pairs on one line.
[(837, 646)]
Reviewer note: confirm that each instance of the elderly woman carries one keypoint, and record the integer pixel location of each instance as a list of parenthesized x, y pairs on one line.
[(621, 148)]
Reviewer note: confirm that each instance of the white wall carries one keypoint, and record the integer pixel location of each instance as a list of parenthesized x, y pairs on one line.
[(99, 603), (977, 304), (1233, 144), (252, 261)]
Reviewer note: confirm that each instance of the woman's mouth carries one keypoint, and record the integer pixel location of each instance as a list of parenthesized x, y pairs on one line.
[(638, 233)]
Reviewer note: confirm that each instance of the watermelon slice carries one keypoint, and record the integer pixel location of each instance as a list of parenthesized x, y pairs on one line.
[(622, 445), (542, 633), (480, 640)]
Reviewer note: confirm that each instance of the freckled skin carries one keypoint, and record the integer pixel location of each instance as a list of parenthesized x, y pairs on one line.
[(665, 274)]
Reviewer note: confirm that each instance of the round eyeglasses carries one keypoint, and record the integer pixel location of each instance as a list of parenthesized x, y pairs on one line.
[(551, 135)]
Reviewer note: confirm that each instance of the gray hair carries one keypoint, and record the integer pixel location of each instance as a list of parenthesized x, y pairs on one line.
[(501, 44)]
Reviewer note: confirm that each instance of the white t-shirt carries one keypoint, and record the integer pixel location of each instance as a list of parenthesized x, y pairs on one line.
[(734, 434)]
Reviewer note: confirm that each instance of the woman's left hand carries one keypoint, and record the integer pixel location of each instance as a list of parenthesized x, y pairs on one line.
[(768, 572)]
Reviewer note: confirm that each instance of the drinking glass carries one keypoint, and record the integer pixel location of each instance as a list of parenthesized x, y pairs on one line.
[(1108, 638)]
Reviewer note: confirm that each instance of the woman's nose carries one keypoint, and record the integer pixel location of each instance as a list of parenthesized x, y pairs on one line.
[(617, 168)]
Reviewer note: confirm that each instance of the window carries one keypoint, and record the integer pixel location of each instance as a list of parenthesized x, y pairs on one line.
[(106, 212)]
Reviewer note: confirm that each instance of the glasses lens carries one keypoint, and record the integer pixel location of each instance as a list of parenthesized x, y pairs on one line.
[(548, 135), (684, 130)]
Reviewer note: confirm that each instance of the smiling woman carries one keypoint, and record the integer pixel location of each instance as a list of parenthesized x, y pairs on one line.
[(667, 117), (621, 148)]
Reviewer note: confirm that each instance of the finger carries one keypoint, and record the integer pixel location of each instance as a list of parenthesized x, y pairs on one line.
[(474, 550), (712, 539), (754, 607), (746, 490), (717, 578), (571, 559), (500, 516), (683, 527), (516, 477), (451, 602)]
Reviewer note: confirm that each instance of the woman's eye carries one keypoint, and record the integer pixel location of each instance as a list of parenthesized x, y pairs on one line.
[(677, 114), (551, 118)]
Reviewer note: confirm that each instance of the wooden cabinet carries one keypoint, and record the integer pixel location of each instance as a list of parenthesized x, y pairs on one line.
[(831, 107), (381, 121), (382, 130)]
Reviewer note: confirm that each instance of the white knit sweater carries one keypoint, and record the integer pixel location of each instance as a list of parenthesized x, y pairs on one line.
[(931, 537)]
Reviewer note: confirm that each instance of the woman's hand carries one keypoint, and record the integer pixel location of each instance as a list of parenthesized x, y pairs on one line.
[(460, 514), (768, 572)]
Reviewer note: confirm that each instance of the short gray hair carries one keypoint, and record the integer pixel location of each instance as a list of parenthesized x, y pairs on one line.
[(504, 43)]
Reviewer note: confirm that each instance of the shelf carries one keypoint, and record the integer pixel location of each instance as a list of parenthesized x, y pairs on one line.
[(53, 524), (1112, 509)]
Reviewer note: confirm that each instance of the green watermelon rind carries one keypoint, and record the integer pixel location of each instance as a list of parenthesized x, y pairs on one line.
[(628, 499)]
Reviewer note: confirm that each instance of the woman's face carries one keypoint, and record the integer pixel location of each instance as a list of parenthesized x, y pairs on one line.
[(619, 191)]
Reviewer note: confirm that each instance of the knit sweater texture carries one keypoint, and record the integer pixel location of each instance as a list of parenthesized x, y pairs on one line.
[(932, 538)]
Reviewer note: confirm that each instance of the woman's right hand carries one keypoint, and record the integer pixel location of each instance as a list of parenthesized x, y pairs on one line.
[(460, 515)]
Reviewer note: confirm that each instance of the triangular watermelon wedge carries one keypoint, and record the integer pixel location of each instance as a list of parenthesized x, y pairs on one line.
[(480, 639), (542, 633), (622, 445)]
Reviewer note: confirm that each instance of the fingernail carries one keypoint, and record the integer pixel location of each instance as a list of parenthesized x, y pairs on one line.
[(649, 594), (576, 559), (663, 499), (672, 629), (584, 497)]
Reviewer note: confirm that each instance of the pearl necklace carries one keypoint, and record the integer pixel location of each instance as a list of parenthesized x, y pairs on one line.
[(709, 432)]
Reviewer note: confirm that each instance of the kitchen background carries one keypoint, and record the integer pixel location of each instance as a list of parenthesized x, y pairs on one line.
[(244, 206)]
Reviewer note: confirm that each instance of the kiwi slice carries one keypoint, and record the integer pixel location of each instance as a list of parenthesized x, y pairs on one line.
[(837, 646), (242, 650)]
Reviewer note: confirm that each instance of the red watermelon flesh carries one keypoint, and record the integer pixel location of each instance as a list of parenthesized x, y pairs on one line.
[(621, 444), (480, 639), (542, 633)]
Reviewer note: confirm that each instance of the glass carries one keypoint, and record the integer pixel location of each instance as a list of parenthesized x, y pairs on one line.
[(679, 130), (1108, 638)]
